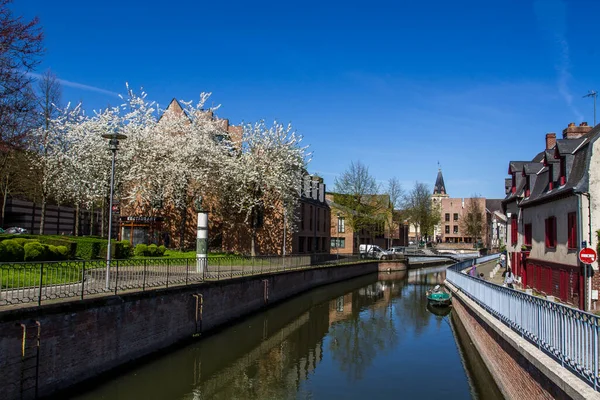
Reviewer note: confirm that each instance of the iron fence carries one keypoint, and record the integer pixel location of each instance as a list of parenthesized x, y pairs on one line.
[(568, 335), (35, 282)]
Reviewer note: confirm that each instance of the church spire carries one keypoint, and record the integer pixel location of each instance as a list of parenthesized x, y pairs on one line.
[(439, 188)]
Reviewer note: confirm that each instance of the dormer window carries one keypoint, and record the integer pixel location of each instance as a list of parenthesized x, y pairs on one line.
[(550, 176), (563, 172), (527, 186), (513, 188)]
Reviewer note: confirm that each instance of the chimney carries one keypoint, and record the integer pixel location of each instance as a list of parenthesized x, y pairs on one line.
[(550, 140), (574, 132)]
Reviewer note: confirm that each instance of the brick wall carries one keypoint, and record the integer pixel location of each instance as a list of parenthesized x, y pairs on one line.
[(80, 340)]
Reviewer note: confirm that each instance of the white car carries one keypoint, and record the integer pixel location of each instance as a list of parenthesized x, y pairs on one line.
[(373, 251)]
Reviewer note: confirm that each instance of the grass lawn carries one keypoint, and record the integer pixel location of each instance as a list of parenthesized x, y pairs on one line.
[(29, 276)]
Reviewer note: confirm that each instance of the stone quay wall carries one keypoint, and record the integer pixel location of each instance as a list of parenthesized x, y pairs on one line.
[(79, 340)]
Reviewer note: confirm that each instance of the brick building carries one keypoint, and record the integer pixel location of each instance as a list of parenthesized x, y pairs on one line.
[(452, 212), (552, 206), (344, 240)]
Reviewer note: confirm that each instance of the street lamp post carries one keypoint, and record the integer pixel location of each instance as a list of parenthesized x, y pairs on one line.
[(113, 143)]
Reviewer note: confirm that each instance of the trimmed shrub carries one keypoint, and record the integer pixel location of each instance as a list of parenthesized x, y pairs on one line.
[(63, 252), (161, 250), (122, 249), (23, 241), (152, 249), (14, 251), (35, 251), (71, 245), (88, 249), (140, 250)]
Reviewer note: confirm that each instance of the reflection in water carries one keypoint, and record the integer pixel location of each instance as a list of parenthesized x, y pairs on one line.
[(368, 335)]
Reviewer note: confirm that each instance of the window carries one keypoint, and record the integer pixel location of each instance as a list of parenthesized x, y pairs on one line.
[(456, 216), (527, 186), (513, 188), (341, 225), (528, 234), (455, 229), (310, 220), (309, 244), (563, 172), (447, 229), (318, 220), (302, 217), (550, 232), (572, 230), (550, 176), (514, 230), (447, 217), (338, 243), (301, 244)]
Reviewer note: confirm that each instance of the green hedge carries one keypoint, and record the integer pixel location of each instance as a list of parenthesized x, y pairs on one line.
[(12, 251), (70, 244), (88, 249), (140, 250), (123, 249), (35, 251)]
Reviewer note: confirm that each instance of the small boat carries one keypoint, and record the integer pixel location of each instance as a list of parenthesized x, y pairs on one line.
[(438, 297)]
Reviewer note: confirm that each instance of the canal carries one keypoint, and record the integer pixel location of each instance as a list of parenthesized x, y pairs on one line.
[(367, 338)]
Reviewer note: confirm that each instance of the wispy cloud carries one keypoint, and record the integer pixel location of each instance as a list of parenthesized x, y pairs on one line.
[(551, 18), (77, 85)]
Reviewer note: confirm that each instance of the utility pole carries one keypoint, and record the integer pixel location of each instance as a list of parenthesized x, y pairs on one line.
[(594, 94)]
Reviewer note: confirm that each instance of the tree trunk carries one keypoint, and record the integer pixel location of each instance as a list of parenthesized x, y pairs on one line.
[(182, 229), (253, 234), (43, 214), (4, 200), (92, 219), (77, 212), (102, 218)]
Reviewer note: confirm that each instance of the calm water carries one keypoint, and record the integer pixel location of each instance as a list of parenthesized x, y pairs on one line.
[(368, 338)]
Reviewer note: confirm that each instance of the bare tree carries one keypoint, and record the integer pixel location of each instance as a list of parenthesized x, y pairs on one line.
[(420, 210), (356, 192), (472, 223), (49, 99), (396, 194), (19, 53)]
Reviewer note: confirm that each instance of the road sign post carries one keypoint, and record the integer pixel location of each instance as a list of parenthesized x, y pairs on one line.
[(587, 255)]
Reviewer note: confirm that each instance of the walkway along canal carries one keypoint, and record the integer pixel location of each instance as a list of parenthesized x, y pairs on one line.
[(368, 337)]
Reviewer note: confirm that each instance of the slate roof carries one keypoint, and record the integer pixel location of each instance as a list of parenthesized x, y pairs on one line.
[(439, 187), (578, 152), (493, 205)]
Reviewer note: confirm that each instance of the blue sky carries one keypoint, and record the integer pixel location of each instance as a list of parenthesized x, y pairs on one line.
[(398, 85)]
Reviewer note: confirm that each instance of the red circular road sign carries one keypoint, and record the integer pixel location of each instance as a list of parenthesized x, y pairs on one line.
[(587, 255)]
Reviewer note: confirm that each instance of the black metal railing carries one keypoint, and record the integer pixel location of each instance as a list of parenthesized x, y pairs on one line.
[(36, 282)]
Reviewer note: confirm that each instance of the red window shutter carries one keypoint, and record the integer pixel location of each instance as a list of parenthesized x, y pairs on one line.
[(553, 231)]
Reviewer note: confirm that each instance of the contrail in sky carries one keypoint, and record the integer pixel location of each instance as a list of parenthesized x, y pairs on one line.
[(77, 85)]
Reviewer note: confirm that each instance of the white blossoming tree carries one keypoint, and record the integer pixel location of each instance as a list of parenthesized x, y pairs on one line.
[(266, 173)]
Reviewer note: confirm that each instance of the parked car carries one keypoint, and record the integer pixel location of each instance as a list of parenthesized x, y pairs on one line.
[(397, 251), (15, 230), (373, 251)]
